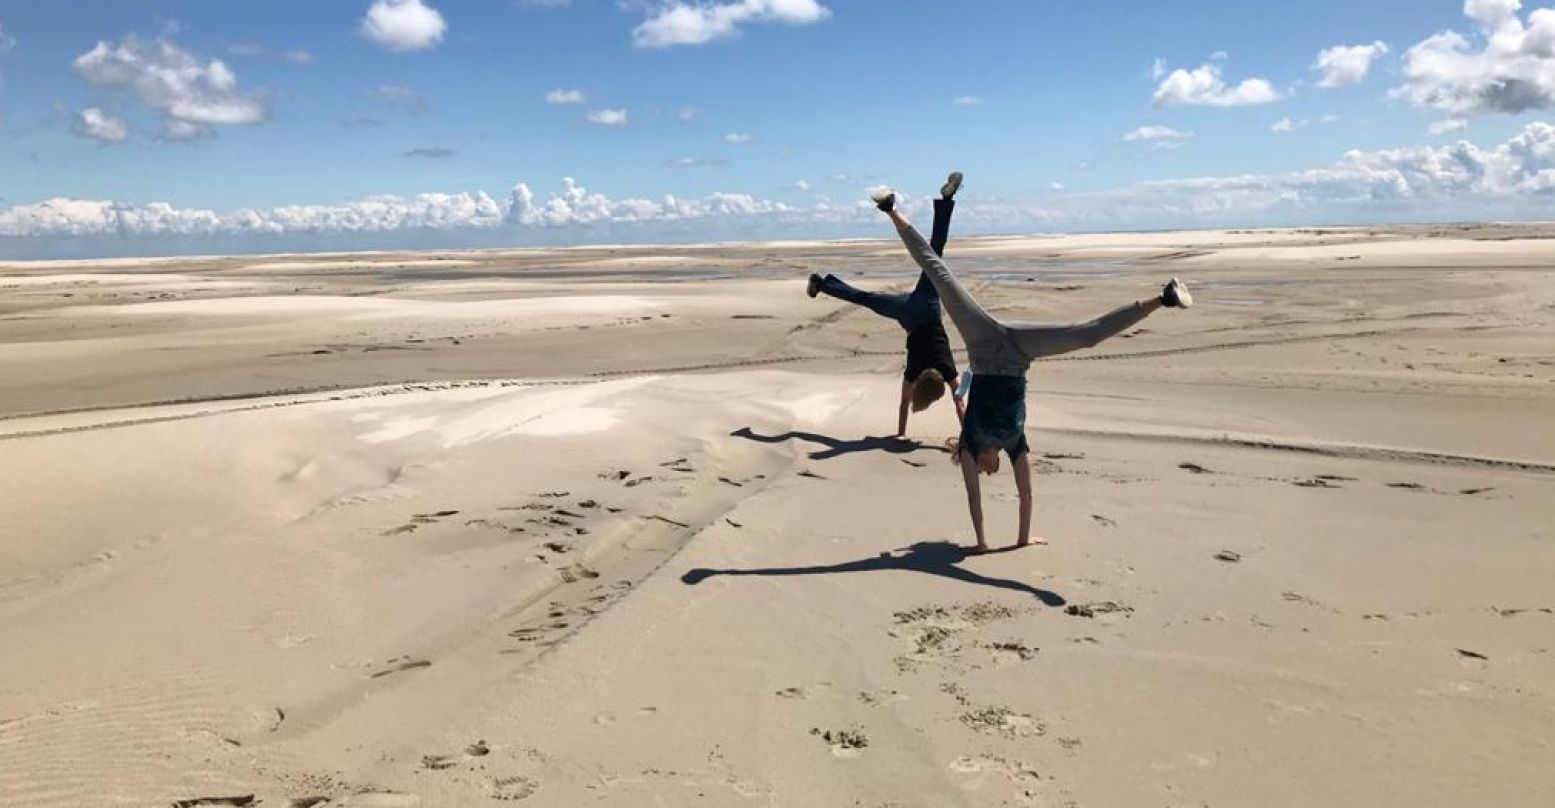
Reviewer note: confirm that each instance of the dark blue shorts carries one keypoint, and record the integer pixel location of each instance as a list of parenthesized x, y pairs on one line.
[(996, 415)]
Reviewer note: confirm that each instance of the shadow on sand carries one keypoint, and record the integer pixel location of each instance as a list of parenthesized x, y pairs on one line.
[(837, 446), (933, 557)]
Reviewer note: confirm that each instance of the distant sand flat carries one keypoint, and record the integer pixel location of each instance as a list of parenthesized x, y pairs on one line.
[(578, 527)]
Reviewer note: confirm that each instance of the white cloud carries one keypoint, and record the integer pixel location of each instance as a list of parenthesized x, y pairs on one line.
[(681, 23), (1205, 86), (192, 95), (1157, 69), (101, 126), (967, 100), (607, 117), (801, 185), (1283, 125), (1328, 117), (1513, 72), (1448, 126), (1516, 177), (1458, 179), (560, 96), (687, 113), (405, 98), (181, 131), (297, 56), (738, 137), (403, 25), (1055, 186), (1156, 133), (695, 162), (1343, 65)]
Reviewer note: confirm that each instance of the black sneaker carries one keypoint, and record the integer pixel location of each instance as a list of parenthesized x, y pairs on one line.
[(1176, 295), (951, 186), (884, 198), (814, 288)]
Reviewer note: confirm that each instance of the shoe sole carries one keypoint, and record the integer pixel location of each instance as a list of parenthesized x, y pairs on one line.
[(1184, 297), (951, 186)]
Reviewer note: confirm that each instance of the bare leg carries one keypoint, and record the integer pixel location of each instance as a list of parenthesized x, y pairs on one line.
[(974, 496), (1022, 469)]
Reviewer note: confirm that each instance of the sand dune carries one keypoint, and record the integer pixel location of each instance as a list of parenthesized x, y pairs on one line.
[(314, 537)]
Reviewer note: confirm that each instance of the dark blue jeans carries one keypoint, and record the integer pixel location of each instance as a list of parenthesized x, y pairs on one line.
[(908, 310)]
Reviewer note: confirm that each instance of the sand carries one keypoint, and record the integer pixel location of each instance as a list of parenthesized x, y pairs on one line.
[(620, 526)]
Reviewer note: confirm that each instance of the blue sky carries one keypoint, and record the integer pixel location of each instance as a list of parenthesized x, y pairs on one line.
[(139, 126)]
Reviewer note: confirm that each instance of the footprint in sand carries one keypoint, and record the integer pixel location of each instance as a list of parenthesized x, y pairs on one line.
[(1023, 777), (1010, 653), (513, 788), (1093, 610), (1003, 721), (844, 743), (576, 572)]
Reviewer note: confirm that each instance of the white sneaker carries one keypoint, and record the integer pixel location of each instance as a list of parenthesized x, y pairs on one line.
[(884, 198), (1176, 295)]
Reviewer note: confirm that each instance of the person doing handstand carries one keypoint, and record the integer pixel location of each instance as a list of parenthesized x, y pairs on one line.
[(931, 367), (1000, 353)]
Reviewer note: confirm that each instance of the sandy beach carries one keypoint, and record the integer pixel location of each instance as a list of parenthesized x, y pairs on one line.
[(619, 526)]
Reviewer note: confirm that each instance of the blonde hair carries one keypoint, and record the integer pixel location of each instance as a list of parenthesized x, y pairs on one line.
[(928, 388)]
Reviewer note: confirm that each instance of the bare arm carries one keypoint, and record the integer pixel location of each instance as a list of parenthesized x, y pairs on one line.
[(960, 409), (1022, 469), (974, 496), (902, 408)]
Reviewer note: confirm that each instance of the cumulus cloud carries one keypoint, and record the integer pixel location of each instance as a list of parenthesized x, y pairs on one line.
[(560, 96), (192, 95), (967, 101), (681, 23), (1448, 126), (1455, 178), (403, 25), (607, 117), (1283, 126), (1343, 65), (738, 137), (695, 162), (1205, 86), (801, 185), (1156, 133), (1513, 72), (1516, 175), (101, 126), (296, 56), (574, 205), (396, 95), (181, 131)]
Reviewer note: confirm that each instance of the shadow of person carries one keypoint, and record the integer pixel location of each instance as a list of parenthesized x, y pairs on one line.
[(836, 446), (933, 557)]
